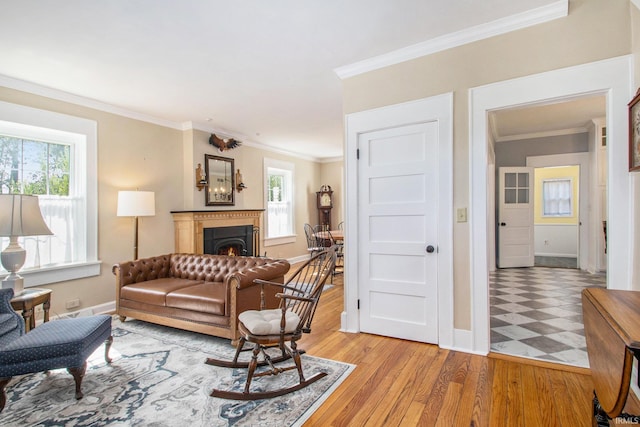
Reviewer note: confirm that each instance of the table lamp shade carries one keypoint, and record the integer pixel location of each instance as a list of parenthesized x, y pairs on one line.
[(20, 216), (136, 203)]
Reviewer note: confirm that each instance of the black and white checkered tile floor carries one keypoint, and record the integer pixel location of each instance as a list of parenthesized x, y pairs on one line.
[(537, 313)]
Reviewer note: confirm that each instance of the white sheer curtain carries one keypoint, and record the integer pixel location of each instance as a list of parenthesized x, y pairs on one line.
[(557, 197)]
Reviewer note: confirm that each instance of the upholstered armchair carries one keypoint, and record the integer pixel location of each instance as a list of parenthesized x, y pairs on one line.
[(11, 323)]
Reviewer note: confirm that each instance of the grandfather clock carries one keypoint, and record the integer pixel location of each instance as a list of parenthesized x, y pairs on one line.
[(325, 203)]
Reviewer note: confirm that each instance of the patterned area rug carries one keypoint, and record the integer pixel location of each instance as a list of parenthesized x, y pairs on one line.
[(158, 378)]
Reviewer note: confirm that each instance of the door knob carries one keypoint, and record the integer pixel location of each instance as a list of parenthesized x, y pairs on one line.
[(502, 224), (430, 249)]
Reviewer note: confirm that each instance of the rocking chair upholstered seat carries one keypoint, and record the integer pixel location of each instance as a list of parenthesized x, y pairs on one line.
[(281, 328), (267, 322)]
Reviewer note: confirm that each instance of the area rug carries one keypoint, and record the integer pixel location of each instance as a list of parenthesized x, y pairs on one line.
[(158, 378)]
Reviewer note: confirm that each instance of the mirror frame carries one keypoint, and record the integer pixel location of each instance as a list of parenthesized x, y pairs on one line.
[(229, 200)]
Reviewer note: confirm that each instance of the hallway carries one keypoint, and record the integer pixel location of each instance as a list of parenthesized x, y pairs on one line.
[(536, 313)]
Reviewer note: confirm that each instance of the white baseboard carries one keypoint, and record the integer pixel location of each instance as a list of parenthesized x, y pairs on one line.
[(106, 308), (463, 342)]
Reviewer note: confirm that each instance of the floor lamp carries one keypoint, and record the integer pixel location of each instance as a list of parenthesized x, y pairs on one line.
[(135, 204), (19, 216)]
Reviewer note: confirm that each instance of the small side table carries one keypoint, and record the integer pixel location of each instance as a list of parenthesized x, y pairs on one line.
[(29, 299)]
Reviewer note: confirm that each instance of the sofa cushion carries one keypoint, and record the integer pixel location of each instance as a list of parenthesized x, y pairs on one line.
[(267, 322), (155, 291), (203, 297)]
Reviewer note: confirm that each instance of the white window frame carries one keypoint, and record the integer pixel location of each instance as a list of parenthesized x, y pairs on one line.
[(289, 168), (544, 200), (33, 122)]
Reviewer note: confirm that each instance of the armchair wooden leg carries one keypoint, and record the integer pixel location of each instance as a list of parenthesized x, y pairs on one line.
[(78, 374), (3, 394)]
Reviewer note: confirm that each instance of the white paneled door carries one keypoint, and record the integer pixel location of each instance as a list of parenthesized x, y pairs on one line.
[(515, 218), (398, 205)]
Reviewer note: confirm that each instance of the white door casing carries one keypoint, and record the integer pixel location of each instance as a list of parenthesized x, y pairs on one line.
[(611, 77), (397, 182), (515, 217), (439, 110)]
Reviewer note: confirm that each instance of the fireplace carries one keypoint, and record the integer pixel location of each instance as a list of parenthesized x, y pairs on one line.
[(231, 241)]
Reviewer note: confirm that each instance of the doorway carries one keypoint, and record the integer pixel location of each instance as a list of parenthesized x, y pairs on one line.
[(610, 78)]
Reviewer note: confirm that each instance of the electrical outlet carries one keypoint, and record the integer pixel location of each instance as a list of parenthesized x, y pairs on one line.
[(72, 303)]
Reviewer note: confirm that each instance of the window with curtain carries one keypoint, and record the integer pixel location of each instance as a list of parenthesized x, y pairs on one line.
[(279, 197), (557, 197), (52, 156)]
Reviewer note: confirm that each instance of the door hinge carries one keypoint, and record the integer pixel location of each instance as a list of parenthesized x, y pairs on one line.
[(358, 304), (357, 153)]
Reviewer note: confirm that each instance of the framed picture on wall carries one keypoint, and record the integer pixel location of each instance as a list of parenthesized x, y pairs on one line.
[(634, 133)]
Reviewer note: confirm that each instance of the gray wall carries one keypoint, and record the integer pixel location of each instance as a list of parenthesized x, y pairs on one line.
[(514, 153)]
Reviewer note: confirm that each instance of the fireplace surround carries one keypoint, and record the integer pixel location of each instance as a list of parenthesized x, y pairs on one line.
[(190, 228)]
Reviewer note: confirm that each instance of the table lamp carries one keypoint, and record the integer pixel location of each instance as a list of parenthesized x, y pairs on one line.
[(135, 204), (19, 216)]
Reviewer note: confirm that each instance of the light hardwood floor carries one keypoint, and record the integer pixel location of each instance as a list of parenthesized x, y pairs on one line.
[(404, 383)]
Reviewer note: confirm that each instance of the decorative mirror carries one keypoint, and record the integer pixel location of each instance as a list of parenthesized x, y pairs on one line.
[(220, 186)]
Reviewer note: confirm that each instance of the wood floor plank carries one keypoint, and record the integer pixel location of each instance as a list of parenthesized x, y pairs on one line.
[(401, 383), (515, 416), (541, 405)]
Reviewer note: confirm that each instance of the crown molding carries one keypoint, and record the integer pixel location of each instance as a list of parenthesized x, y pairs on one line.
[(546, 134), (515, 22), (248, 141), (59, 95), (636, 3)]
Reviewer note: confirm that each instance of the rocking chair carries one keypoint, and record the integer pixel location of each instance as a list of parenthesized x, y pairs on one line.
[(274, 328)]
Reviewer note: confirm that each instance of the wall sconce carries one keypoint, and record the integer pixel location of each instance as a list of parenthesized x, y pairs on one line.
[(201, 178), (239, 182)]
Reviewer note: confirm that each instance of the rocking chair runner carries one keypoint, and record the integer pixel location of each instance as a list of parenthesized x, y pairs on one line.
[(274, 328)]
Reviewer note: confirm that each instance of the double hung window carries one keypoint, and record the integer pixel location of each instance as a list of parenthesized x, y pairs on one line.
[(52, 156)]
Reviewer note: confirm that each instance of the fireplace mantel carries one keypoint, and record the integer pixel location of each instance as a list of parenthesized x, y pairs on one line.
[(189, 225)]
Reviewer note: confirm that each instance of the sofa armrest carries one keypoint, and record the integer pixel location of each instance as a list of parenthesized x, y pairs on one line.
[(141, 270), (269, 271)]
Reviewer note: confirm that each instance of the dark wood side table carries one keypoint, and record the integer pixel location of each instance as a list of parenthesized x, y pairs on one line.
[(29, 299)]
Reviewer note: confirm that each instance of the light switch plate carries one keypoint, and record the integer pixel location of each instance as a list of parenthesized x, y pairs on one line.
[(461, 215)]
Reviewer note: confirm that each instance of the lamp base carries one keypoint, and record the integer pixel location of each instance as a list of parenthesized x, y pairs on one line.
[(12, 258), (15, 282)]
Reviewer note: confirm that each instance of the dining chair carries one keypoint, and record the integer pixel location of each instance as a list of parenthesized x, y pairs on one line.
[(314, 245), (339, 265)]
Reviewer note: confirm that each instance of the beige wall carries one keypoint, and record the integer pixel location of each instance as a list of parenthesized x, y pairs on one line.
[(138, 155), (131, 154), (250, 161), (594, 30)]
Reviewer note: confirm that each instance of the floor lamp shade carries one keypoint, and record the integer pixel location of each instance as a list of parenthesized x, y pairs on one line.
[(19, 216), (135, 204)]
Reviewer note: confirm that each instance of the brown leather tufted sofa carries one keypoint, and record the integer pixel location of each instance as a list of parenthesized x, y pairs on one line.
[(196, 292)]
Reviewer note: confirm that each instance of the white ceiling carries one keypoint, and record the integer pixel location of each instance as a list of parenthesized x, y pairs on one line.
[(262, 72)]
